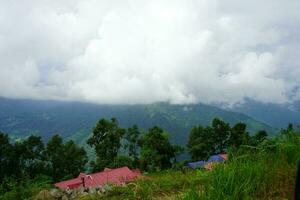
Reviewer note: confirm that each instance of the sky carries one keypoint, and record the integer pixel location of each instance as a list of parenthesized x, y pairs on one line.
[(136, 51)]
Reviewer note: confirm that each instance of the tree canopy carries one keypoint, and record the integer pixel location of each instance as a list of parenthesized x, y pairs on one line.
[(106, 140)]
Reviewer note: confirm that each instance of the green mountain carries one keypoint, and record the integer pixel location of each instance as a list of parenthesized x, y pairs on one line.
[(276, 115), (75, 120)]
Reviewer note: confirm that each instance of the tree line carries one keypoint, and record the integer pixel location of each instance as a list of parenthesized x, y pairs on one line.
[(115, 146), (30, 157)]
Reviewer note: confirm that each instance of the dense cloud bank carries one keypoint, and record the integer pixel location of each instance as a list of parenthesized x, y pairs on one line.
[(133, 51)]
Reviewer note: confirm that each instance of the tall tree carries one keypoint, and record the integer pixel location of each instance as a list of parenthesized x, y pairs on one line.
[(215, 139), (75, 158), (32, 155), (200, 144), (221, 133), (55, 157), (132, 139), (259, 137), (65, 160), (156, 150), (238, 135), (6, 157), (106, 140)]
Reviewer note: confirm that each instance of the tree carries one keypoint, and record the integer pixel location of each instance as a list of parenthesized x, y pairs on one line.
[(132, 146), (106, 140), (238, 135), (259, 137), (55, 157), (221, 133), (215, 139), (32, 155), (6, 157), (75, 158), (200, 144), (289, 129), (156, 150), (121, 161), (64, 160)]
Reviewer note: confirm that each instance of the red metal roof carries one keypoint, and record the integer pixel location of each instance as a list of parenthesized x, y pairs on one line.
[(117, 176)]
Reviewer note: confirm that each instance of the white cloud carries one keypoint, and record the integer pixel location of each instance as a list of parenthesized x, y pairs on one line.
[(133, 51)]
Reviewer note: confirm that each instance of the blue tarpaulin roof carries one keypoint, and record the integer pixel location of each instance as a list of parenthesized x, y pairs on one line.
[(197, 164), (201, 163)]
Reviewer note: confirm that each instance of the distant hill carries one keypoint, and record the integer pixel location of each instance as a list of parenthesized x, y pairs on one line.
[(75, 120), (275, 115)]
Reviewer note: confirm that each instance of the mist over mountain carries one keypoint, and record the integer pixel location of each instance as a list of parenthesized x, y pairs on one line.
[(75, 120)]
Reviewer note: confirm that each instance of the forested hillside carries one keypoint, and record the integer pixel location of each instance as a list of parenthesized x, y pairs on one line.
[(259, 167), (74, 120), (276, 115)]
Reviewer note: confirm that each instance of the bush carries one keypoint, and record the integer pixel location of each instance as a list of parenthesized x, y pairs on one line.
[(23, 189)]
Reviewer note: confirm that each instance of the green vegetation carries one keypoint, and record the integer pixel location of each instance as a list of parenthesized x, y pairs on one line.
[(106, 140), (13, 189), (258, 167), (63, 160), (156, 150), (167, 184), (27, 166), (266, 171), (20, 118), (149, 151), (217, 138)]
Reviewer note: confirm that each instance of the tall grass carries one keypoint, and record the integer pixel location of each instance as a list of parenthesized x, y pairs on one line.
[(160, 185), (263, 172)]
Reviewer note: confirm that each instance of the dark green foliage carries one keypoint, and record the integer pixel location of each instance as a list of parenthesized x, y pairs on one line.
[(75, 159), (132, 138), (12, 189), (214, 139), (6, 157), (121, 161), (23, 158), (200, 143), (220, 135), (64, 160), (217, 138), (29, 158), (32, 155), (258, 138), (156, 150), (238, 135), (54, 152), (152, 151), (106, 140)]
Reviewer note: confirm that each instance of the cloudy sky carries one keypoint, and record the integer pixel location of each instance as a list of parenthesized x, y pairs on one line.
[(136, 51)]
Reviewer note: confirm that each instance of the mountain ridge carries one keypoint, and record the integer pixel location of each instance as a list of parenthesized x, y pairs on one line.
[(75, 120)]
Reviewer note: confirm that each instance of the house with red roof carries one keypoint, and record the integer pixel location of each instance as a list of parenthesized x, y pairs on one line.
[(117, 176)]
